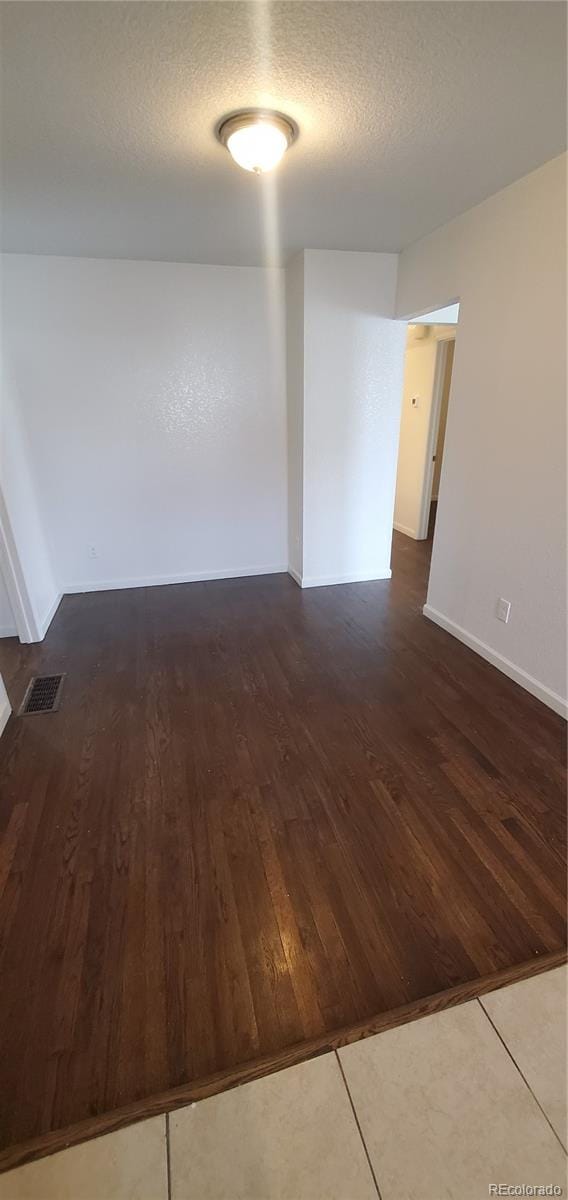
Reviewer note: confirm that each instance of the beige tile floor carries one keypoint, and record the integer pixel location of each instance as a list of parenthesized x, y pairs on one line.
[(441, 1109)]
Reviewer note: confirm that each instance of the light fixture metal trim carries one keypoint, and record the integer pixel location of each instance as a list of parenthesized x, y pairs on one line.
[(247, 117)]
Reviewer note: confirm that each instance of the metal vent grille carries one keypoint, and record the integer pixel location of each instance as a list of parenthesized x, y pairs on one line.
[(43, 694)]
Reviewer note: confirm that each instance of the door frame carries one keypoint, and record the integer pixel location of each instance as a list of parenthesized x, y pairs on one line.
[(14, 580)]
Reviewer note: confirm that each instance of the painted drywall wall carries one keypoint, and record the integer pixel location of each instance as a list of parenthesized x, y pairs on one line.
[(353, 363), (23, 541), (7, 622), (295, 392), (153, 397), (503, 530)]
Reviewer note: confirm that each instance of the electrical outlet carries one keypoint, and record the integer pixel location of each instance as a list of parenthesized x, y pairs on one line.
[(503, 609), (93, 553)]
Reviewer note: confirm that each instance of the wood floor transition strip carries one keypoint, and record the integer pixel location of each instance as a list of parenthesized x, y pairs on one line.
[(200, 1089)]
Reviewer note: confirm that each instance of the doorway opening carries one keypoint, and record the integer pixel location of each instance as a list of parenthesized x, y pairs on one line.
[(8, 627), (428, 367)]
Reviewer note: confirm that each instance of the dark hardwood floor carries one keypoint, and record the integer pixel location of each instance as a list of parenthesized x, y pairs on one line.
[(263, 821)]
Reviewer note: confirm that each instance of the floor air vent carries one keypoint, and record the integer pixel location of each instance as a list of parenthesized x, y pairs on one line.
[(43, 694)]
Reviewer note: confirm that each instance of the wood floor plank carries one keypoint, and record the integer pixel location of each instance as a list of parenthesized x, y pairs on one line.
[(264, 821)]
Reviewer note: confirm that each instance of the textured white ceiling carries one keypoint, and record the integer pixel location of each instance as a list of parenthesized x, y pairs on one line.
[(409, 113)]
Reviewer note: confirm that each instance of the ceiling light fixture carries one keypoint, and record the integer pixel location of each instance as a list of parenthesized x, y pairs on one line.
[(257, 138)]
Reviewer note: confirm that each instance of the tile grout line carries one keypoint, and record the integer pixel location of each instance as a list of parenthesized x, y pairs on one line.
[(168, 1159), (353, 1109), (523, 1077)]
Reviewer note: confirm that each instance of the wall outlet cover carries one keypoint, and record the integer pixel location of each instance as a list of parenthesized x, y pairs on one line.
[(503, 609)]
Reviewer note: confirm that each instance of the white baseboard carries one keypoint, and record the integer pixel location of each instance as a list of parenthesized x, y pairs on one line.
[(112, 585), (8, 631), (5, 710), (295, 576), (311, 581), (413, 533), (526, 681), (48, 618)]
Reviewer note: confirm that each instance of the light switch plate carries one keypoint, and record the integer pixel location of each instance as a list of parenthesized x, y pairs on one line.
[(503, 609)]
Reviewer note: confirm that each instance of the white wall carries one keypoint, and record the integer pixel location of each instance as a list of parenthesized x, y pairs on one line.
[(153, 396), (353, 362), (502, 531), (23, 544), (7, 622), (295, 390)]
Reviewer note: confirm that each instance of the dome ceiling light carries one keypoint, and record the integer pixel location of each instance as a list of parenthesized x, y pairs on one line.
[(257, 138)]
